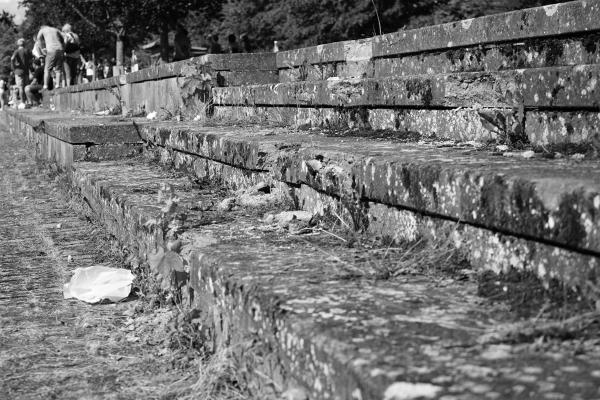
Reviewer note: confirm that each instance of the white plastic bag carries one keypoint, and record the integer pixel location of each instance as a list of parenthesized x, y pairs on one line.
[(96, 283)]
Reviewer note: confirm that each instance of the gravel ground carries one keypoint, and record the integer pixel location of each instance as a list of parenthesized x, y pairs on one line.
[(51, 348)]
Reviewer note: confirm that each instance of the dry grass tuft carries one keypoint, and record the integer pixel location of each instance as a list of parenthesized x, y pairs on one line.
[(422, 257), (216, 379)]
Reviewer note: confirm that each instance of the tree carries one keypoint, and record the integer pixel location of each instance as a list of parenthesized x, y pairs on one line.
[(102, 24), (8, 39), (294, 23), (94, 27), (260, 20), (299, 23)]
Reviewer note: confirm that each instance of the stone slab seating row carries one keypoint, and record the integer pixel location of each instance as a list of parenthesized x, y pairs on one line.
[(480, 134), (286, 301)]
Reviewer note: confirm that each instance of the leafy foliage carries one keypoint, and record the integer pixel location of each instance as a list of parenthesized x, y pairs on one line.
[(99, 22), (298, 23), (8, 38), (294, 23)]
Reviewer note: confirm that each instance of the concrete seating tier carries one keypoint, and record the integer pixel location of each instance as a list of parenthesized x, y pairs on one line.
[(542, 107), (503, 212), (555, 35), (179, 87), (413, 138), (529, 81), (64, 138), (299, 315)]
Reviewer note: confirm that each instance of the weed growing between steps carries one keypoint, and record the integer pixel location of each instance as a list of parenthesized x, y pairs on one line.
[(358, 258), (153, 346), (544, 317), (382, 258)]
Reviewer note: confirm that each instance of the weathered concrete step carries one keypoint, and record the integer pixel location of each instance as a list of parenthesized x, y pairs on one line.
[(484, 249), (68, 137), (555, 20), (249, 65), (551, 200), (333, 336), (179, 88), (534, 53), (562, 131), (561, 87), (78, 128), (502, 213)]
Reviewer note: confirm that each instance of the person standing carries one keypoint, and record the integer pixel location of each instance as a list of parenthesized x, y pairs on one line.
[(89, 69), (72, 54), (215, 46), (3, 94), (106, 69), (55, 52), (21, 64), (245, 43), (134, 61), (183, 46), (233, 44)]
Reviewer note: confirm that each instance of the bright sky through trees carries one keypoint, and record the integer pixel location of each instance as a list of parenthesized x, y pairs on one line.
[(12, 6)]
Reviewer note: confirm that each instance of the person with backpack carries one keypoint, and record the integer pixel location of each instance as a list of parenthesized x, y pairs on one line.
[(72, 54)]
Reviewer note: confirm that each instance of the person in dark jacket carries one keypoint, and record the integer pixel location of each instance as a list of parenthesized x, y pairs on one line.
[(21, 64), (183, 46), (234, 47), (34, 89), (245, 42), (215, 47)]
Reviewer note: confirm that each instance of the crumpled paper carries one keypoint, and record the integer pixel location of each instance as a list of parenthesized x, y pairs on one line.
[(96, 283)]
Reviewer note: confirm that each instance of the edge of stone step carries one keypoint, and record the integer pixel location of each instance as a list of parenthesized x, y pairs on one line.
[(564, 132), (553, 87), (253, 65), (553, 20), (334, 338), (67, 137), (323, 173), (580, 48), (477, 187)]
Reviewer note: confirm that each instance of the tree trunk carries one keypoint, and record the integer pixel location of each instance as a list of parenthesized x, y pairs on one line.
[(164, 42), (119, 50)]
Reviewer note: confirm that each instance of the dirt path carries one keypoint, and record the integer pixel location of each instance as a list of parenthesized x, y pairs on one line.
[(51, 348)]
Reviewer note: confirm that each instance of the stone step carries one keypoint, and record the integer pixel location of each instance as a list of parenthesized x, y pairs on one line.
[(244, 64), (512, 194), (560, 34), (539, 214), (303, 310), (580, 49), (181, 87), (297, 318), (68, 137), (567, 132), (560, 87), (78, 128), (503, 212), (550, 108)]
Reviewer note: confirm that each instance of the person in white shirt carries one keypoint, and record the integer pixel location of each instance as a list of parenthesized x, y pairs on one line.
[(55, 52)]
